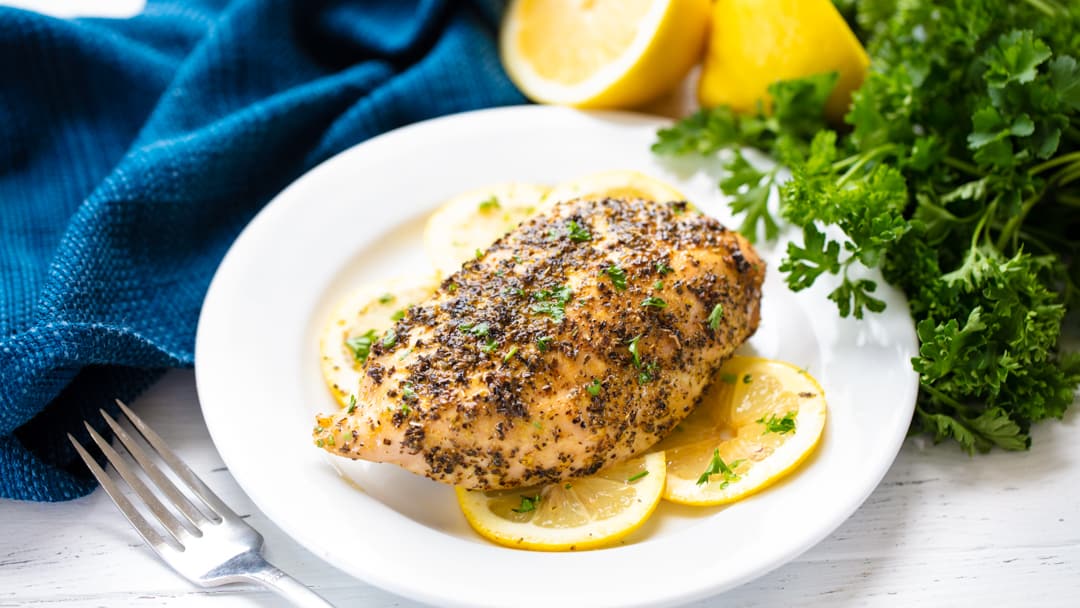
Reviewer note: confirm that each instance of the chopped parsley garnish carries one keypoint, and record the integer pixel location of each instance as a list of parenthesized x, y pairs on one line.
[(780, 426), (452, 287), (747, 379), (636, 477), (489, 204), (405, 409), (510, 355), (528, 503), (663, 268), (352, 404), (538, 424), (479, 254), (489, 346), (552, 302), (593, 387), (729, 378), (618, 277), (390, 338), (398, 315), (634, 350), (386, 298), (577, 232), (658, 285), (361, 345), (648, 373), (567, 485), (715, 316), (654, 302), (718, 467), (407, 393), (543, 343), (477, 329)]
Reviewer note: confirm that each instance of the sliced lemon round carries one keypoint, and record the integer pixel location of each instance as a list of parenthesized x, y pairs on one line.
[(362, 316), (755, 424), (577, 514), (601, 53), (474, 220), (616, 184)]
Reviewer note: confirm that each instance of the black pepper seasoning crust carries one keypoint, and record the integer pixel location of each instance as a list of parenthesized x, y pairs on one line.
[(482, 419)]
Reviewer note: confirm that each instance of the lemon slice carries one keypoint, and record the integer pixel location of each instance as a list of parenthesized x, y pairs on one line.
[(369, 311), (476, 219), (755, 424), (616, 184), (578, 514), (601, 53)]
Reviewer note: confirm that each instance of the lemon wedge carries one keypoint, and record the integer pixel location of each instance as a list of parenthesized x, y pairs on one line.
[(755, 424), (365, 314), (754, 43), (601, 53), (578, 514), (616, 184), (474, 220)]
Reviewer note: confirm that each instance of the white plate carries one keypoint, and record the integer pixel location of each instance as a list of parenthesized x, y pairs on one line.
[(358, 217)]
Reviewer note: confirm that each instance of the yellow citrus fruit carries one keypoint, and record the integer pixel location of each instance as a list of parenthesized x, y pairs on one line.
[(577, 514), (601, 53), (754, 43), (365, 314), (474, 220), (615, 184), (755, 424)]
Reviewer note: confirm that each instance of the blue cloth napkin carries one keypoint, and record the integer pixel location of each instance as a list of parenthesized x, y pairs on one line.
[(133, 151)]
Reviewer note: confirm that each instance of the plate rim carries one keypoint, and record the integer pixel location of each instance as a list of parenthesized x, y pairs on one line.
[(281, 203)]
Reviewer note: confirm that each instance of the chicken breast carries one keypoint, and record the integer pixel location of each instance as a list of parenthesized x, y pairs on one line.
[(578, 340)]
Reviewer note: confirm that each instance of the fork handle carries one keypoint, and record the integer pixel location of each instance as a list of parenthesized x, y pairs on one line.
[(274, 579)]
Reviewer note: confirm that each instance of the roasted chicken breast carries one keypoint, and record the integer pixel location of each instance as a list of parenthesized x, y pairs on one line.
[(577, 340)]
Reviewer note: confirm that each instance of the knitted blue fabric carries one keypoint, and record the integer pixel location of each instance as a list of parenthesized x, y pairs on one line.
[(132, 152)]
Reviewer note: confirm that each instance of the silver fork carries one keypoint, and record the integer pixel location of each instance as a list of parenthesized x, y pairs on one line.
[(210, 545)]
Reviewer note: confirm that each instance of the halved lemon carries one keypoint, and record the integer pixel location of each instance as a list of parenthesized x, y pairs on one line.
[(577, 514), (474, 220), (601, 53), (755, 424), (615, 184), (362, 316)]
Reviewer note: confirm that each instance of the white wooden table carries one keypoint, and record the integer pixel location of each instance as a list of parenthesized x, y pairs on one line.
[(941, 530)]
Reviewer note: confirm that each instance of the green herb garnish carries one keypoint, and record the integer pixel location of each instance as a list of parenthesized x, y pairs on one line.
[(386, 298), (352, 405), (510, 355), (715, 316), (577, 232), (489, 346), (593, 387), (489, 204), (361, 345), (528, 503), (658, 285), (398, 315), (654, 302), (718, 467), (780, 426), (747, 379), (543, 343), (552, 302), (633, 348), (636, 477), (389, 338), (618, 277), (663, 268)]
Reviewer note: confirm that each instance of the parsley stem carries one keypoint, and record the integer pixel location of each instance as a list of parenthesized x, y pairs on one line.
[(1064, 159), (943, 398), (1039, 5), (1008, 233), (866, 157), (964, 166), (1070, 200)]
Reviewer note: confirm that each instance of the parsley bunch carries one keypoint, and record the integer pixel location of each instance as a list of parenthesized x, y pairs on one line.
[(958, 175)]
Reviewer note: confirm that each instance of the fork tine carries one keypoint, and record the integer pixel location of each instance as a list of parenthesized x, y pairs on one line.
[(154, 473), (166, 518), (148, 533), (194, 483)]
